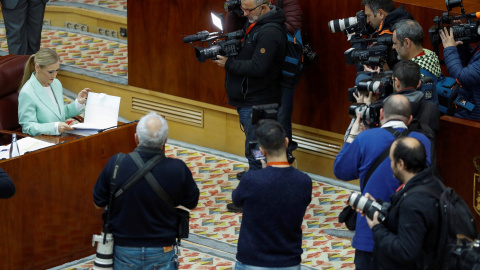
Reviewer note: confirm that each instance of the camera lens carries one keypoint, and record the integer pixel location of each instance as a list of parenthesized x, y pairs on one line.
[(341, 24)]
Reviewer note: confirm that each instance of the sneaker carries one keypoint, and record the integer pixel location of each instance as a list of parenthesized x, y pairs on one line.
[(240, 175), (233, 208)]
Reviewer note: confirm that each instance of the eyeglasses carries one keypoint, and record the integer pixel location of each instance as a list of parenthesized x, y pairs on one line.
[(252, 9)]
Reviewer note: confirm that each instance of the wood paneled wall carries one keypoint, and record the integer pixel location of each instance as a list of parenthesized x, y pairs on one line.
[(159, 61)]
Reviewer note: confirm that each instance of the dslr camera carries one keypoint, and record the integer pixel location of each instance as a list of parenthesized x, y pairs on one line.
[(370, 115), (368, 207), (380, 84), (233, 6), (376, 55), (357, 25), (468, 32), (465, 255)]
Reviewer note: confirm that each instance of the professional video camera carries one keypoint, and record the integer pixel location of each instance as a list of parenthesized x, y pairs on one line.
[(468, 32), (376, 55), (357, 25), (228, 47), (370, 115), (380, 84)]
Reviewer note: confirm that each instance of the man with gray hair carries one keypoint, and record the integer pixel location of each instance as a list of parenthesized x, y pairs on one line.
[(144, 226), (408, 43)]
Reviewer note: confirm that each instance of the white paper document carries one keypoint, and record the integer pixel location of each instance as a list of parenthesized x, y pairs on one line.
[(101, 112), (27, 144)]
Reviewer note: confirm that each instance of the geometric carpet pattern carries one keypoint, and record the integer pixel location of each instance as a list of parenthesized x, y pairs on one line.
[(120, 5), (214, 230)]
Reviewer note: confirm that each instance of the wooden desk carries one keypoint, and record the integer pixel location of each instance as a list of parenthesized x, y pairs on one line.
[(457, 145), (51, 218)]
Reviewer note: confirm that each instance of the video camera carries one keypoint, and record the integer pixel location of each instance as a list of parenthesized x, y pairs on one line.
[(353, 25), (228, 47), (468, 32), (376, 55), (380, 84)]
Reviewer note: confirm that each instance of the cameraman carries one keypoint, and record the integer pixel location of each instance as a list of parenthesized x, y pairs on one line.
[(463, 63), (381, 16), (409, 236), (408, 43), (293, 22), (360, 152), (253, 76)]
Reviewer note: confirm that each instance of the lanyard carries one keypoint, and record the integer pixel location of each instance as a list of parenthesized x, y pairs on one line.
[(278, 163)]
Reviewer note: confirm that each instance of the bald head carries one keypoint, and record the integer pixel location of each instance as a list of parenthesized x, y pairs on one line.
[(397, 107), (152, 131), (411, 152)]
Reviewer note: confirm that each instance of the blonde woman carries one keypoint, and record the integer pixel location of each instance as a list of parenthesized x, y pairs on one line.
[(41, 110)]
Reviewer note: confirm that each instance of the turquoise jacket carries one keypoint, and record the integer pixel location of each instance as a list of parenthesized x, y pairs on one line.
[(37, 113)]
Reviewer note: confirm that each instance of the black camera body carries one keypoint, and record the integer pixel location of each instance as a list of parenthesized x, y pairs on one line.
[(233, 6), (380, 84), (228, 47), (374, 56), (468, 32), (465, 255)]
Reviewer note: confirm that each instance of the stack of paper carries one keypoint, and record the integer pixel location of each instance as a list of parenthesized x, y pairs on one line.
[(27, 144), (101, 112)]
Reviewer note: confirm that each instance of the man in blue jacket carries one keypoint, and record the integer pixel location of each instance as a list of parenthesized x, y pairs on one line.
[(463, 63), (360, 151)]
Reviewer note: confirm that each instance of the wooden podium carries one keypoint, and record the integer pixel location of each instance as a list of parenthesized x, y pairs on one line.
[(458, 144), (51, 218)]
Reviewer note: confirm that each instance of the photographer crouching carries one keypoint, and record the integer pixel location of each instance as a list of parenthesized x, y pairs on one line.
[(253, 76)]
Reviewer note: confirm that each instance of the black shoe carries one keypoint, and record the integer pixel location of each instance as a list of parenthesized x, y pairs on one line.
[(233, 208), (240, 175)]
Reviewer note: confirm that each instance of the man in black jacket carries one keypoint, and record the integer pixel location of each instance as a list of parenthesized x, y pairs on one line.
[(252, 77), (408, 237)]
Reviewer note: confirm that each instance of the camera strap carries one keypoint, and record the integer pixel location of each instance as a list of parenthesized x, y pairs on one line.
[(383, 155)]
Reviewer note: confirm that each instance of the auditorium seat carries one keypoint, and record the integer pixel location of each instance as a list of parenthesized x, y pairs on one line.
[(11, 72)]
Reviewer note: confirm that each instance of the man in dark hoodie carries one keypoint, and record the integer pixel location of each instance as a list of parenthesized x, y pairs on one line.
[(381, 16), (252, 77)]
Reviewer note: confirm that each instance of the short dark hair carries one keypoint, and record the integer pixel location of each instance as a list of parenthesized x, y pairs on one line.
[(412, 152), (409, 29), (271, 136), (407, 72), (375, 5), (397, 105)]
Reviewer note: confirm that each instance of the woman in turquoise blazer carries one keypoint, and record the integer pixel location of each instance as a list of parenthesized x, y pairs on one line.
[(41, 109)]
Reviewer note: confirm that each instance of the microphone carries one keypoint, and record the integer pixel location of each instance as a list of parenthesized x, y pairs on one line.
[(199, 36), (475, 15)]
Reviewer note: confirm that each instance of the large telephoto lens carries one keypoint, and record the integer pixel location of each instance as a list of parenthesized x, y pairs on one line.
[(339, 25), (364, 204), (369, 86)]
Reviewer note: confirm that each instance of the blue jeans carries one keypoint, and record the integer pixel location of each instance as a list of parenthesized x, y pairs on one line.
[(141, 258), (241, 266), (245, 115)]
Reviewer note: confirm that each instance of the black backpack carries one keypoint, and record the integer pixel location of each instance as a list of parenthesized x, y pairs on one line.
[(293, 64), (455, 218)]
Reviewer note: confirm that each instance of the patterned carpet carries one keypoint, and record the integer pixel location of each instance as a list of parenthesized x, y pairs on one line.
[(214, 230)]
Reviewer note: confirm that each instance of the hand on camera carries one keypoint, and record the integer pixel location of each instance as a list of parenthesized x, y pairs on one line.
[(363, 98), (447, 38), (373, 222), (62, 127), (369, 69), (221, 60)]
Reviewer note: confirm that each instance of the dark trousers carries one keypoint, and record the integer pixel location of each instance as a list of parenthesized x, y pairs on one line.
[(245, 115), (363, 260), (23, 24)]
